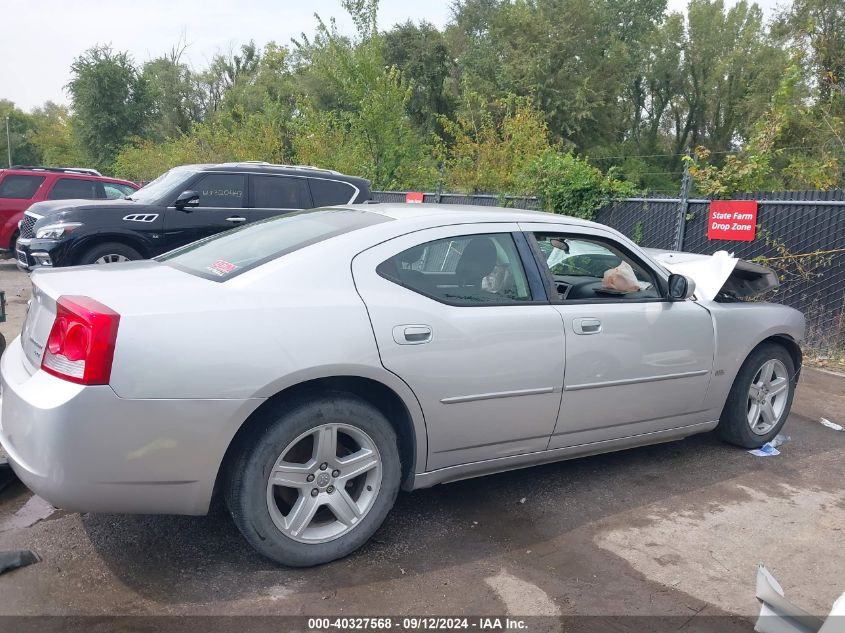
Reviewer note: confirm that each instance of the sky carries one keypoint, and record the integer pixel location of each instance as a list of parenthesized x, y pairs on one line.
[(42, 37)]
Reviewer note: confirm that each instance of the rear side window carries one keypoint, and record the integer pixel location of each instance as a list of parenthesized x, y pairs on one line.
[(221, 190), (20, 187), (280, 192), (227, 254), (465, 270), (329, 192), (74, 188)]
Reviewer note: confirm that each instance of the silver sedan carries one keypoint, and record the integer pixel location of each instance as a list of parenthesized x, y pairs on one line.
[(309, 366)]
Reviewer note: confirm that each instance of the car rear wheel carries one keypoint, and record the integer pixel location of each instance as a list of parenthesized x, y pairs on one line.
[(317, 482), (110, 253), (760, 399)]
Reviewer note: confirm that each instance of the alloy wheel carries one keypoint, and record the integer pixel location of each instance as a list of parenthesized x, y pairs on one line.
[(767, 396), (324, 483), (112, 258)]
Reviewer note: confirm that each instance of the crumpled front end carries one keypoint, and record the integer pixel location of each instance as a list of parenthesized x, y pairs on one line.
[(721, 276)]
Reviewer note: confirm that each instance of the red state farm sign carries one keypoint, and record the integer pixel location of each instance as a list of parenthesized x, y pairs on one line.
[(414, 196), (732, 220)]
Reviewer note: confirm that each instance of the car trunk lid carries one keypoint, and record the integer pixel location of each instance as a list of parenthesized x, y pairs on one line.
[(125, 288)]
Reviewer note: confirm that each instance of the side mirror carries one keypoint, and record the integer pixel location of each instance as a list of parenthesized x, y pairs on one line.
[(680, 287), (187, 200)]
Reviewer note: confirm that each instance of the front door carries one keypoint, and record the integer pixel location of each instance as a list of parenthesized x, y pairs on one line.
[(221, 207), (635, 362), (457, 317)]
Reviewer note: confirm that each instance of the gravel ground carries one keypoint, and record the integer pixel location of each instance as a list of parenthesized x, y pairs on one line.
[(669, 530)]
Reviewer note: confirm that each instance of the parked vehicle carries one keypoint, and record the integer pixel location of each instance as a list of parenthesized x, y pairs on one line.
[(181, 206), (310, 365), (22, 186)]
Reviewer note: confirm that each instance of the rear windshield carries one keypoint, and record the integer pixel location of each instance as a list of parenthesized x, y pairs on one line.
[(228, 254)]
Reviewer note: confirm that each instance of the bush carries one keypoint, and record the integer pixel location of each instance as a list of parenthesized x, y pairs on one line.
[(569, 185)]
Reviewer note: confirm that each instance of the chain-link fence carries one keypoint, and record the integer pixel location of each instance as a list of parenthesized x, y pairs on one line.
[(800, 234)]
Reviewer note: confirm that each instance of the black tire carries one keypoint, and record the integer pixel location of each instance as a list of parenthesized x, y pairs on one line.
[(249, 469), (109, 248), (733, 424)]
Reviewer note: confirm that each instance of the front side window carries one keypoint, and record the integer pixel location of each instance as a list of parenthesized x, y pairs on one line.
[(20, 187), (221, 190), (74, 189), (465, 270), (587, 269), (280, 192)]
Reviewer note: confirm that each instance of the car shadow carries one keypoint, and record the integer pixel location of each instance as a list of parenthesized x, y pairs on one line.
[(176, 560)]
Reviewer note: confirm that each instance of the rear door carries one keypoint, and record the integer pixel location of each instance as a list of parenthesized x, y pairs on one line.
[(460, 318), (17, 193), (272, 195), (76, 189), (221, 207)]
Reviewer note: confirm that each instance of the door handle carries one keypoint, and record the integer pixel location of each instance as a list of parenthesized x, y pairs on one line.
[(236, 218), (586, 326), (411, 334)]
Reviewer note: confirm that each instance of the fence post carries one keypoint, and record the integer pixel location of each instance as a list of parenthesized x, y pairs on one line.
[(683, 206)]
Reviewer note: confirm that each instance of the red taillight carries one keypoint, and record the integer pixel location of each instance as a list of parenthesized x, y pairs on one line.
[(80, 347)]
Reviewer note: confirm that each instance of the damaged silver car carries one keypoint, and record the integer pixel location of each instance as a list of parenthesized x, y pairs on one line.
[(309, 366)]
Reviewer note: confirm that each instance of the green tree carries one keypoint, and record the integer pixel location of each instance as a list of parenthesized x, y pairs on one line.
[(352, 112), (174, 93), (421, 55), (111, 102), (54, 136), (570, 185), (21, 131), (818, 27), (723, 53), (493, 145)]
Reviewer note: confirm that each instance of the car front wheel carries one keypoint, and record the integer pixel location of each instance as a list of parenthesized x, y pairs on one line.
[(760, 399), (317, 482), (110, 253)]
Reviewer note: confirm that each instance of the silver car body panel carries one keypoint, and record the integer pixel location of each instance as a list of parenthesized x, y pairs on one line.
[(496, 387)]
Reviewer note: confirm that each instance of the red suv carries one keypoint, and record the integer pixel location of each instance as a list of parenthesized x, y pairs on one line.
[(22, 186)]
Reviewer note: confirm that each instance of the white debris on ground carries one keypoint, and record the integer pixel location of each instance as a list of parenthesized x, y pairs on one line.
[(33, 511), (831, 425), (770, 448)]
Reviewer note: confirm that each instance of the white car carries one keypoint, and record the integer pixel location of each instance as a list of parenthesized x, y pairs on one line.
[(309, 366)]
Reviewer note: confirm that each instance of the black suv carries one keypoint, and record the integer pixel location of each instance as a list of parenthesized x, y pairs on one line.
[(182, 205)]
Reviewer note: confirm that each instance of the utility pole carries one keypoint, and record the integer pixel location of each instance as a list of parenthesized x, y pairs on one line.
[(8, 142), (683, 205)]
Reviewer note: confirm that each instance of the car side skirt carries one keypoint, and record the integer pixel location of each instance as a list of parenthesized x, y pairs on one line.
[(502, 464)]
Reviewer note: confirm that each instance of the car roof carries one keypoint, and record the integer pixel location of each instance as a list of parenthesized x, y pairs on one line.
[(467, 213), (263, 167), (63, 172)]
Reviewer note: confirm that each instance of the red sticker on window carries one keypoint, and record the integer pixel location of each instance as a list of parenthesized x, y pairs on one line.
[(222, 267)]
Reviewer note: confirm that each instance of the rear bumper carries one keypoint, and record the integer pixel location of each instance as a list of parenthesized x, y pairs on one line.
[(85, 449)]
